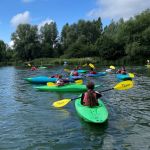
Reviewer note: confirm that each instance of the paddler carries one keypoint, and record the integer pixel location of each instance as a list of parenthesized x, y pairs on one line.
[(90, 98)]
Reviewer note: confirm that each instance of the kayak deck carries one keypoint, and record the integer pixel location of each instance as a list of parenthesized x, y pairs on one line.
[(40, 79), (123, 77), (97, 114), (65, 88)]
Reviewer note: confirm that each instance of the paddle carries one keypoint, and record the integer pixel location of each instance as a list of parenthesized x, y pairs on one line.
[(112, 67), (131, 75), (124, 85), (29, 65), (67, 70), (84, 65), (91, 65), (53, 84)]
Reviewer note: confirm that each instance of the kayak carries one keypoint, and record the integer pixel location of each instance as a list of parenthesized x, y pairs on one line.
[(123, 77), (96, 75), (75, 77), (82, 71), (42, 67), (97, 114), (109, 70), (66, 88), (41, 79)]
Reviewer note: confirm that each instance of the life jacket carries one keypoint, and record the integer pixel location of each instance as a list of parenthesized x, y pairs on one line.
[(93, 72), (33, 68), (86, 99), (60, 82), (75, 73), (119, 71)]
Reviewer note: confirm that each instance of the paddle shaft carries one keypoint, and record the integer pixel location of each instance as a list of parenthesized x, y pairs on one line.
[(106, 90)]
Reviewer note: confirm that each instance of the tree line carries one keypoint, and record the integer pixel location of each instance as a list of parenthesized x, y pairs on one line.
[(128, 40)]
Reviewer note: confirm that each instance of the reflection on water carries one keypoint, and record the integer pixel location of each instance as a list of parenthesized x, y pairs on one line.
[(29, 121)]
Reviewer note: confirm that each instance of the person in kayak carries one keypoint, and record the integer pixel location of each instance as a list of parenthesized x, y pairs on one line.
[(92, 71), (55, 76), (33, 68), (74, 72), (122, 70), (62, 82), (90, 98)]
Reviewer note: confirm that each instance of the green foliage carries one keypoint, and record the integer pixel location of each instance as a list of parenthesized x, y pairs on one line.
[(2, 50), (26, 42)]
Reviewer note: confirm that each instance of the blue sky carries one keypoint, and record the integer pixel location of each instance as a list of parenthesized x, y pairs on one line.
[(13, 12)]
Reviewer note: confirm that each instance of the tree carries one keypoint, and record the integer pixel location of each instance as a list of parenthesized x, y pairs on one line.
[(2, 50), (26, 42), (48, 38)]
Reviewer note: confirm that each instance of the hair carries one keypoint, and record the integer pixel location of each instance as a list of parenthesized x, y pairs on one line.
[(90, 85), (91, 97)]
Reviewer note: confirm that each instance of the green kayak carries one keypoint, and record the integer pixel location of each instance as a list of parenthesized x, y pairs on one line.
[(97, 114), (65, 88)]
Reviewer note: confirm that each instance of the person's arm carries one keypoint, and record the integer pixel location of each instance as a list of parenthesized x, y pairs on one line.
[(98, 94)]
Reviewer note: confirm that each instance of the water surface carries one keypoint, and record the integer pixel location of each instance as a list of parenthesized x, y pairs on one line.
[(28, 121)]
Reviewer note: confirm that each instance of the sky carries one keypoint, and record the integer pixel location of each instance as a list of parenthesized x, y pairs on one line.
[(39, 12)]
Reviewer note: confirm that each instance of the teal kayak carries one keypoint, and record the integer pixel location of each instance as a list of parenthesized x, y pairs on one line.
[(65, 88), (40, 79), (82, 71), (97, 114), (123, 77)]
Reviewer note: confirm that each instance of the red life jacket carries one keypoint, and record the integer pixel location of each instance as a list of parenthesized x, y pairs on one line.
[(93, 72), (75, 73), (86, 99)]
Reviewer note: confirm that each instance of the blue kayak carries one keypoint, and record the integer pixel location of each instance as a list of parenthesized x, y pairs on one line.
[(41, 79), (96, 75), (75, 77), (123, 77)]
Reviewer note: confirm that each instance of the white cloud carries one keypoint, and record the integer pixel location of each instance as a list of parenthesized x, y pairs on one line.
[(44, 22), (115, 9), (11, 44), (27, 1), (20, 18)]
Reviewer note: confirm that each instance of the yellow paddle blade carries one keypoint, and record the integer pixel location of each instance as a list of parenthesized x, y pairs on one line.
[(112, 67), (50, 84), (79, 81), (29, 65), (61, 103), (67, 70), (84, 65), (91, 65), (131, 75), (124, 85)]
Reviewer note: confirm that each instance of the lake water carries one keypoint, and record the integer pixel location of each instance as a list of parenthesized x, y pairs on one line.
[(28, 121)]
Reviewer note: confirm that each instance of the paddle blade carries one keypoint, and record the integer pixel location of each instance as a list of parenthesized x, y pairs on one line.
[(112, 67), (79, 81), (131, 75), (67, 70), (84, 65), (124, 85), (50, 84), (61, 103), (92, 66), (29, 65)]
